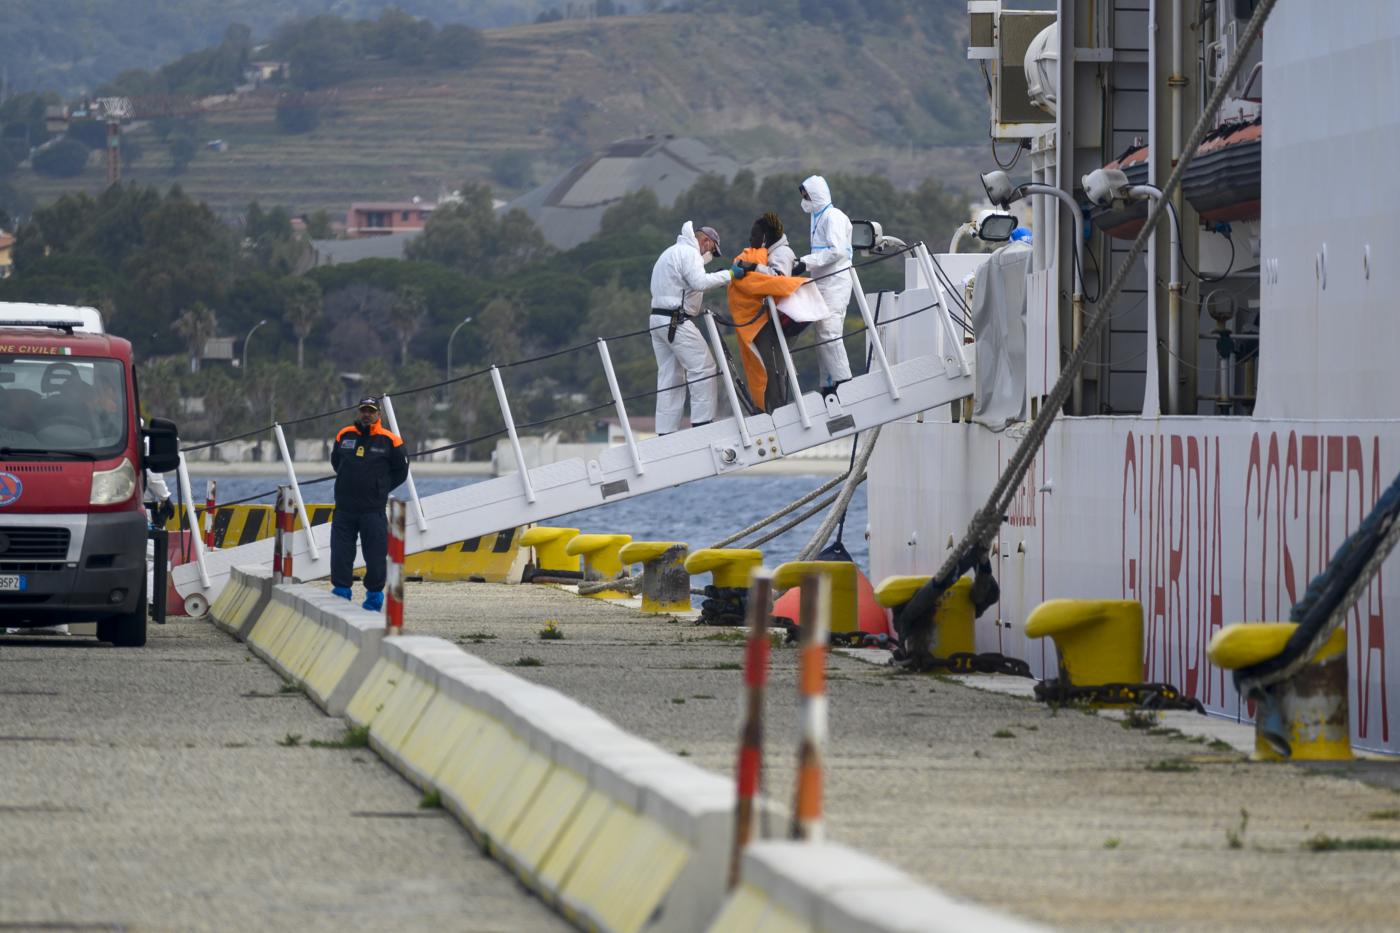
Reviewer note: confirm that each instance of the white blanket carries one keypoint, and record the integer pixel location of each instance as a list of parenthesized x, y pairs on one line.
[(806, 305)]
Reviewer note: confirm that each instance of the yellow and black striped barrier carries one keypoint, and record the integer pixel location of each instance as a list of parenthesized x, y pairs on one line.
[(486, 559)]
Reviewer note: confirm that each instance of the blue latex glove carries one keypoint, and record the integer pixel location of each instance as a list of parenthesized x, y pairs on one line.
[(738, 271)]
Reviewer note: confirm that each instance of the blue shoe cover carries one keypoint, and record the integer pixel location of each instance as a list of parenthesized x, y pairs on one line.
[(342, 591), (374, 602)]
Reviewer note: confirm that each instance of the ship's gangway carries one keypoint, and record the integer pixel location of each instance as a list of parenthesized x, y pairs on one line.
[(940, 373)]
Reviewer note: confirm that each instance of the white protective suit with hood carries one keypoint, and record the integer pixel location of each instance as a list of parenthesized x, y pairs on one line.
[(831, 253), (677, 280)]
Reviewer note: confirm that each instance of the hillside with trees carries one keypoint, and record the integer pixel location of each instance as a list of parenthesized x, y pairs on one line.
[(168, 275), (392, 106)]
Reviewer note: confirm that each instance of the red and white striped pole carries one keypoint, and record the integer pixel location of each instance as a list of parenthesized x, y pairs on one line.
[(209, 511), (814, 618), (287, 519), (393, 584), (750, 766), (279, 537)]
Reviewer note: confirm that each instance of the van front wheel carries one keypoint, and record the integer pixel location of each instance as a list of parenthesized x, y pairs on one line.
[(127, 630)]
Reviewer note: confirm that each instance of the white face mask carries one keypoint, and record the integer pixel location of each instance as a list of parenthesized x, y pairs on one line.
[(807, 206), (706, 257)]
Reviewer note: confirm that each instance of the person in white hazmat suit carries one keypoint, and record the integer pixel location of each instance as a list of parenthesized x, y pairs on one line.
[(825, 264), (682, 354)]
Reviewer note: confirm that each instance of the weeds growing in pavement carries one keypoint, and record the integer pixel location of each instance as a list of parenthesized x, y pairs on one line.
[(528, 662), (290, 740), (1234, 838), (1111, 843), (1139, 719), (354, 737), (551, 631), (1172, 764), (1384, 815), (1321, 843), (1003, 734), (431, 800), (727, 666), (476, 638), (289, 687)]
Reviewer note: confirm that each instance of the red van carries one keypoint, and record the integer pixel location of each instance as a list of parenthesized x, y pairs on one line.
[(73, 457)]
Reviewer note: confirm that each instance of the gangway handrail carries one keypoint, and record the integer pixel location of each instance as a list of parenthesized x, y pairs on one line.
[(182, 475), (717, 347), (520, 463), (796, 385), (413, 390), (873, 334), (621, 406), (296, 489), (386, 403)]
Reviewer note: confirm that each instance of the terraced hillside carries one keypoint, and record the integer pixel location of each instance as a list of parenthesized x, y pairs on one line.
[(901, 100)]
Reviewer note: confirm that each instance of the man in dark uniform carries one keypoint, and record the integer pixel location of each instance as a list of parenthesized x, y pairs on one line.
[(369, 461)]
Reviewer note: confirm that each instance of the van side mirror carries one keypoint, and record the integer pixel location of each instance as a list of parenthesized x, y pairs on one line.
[(864, 235), (162, 445)]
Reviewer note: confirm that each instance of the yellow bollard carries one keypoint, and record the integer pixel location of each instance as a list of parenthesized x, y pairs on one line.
[(600, 560), (845, 615), (551, 554), (1099, 641), (1314, 720), (954, 622), (665, 584), (730, 566)]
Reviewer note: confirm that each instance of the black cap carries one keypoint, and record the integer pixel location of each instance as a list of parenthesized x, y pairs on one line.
[(370, 401)]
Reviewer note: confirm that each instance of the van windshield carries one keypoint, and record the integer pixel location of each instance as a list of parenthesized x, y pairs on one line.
[(69, 405)]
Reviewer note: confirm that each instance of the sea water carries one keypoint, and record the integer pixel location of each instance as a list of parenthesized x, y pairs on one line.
[(700, 513)]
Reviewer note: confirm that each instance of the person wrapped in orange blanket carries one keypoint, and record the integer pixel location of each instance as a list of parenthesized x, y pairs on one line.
[(764, 370)]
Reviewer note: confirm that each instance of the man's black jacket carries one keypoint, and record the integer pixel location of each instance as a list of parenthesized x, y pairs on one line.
[(368, 464)]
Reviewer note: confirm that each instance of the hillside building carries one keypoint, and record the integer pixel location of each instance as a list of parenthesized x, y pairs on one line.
[(381, 218), (569, 209)]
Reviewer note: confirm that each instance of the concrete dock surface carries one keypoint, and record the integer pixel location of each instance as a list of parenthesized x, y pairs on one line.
[(174, 787), (1064, 817)]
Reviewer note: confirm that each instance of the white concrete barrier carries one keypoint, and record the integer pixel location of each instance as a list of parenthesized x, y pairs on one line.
[(828, 888), (613, 831)]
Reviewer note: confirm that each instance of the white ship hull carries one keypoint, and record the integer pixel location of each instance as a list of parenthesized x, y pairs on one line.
[(1205, 521)]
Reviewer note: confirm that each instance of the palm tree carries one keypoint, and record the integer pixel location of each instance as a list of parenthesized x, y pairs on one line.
[(406, 316), (196, 326), (301, 309)]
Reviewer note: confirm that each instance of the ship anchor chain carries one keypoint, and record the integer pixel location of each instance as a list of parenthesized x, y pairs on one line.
[(1148, 696)]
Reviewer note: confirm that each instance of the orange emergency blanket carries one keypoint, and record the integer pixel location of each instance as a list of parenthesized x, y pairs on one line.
[(746, 308)]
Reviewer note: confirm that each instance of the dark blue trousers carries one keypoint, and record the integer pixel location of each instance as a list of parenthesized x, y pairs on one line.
[(372, 530)]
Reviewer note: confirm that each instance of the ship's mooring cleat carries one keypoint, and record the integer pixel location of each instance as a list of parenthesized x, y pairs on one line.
[(1098, 641), (374, 602), (726, 598), (920, 611), (665, 584), (600, 560), (1099, 644), (552, 558), (953, 620), (343, 592), (1305, 717), (842, 573)]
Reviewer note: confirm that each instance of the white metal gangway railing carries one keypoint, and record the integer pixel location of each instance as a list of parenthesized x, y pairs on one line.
[(887, 392)]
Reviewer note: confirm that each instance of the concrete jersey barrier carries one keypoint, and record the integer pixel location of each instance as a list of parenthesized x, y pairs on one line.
[(613, 831)]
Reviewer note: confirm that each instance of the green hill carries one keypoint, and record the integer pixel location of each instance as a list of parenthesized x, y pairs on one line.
[(73, 46), (894, 96)]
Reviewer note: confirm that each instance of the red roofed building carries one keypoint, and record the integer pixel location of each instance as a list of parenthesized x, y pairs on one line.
[(379, 218)]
